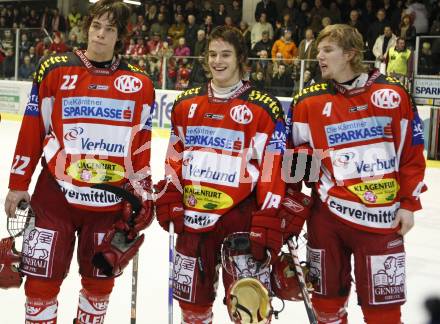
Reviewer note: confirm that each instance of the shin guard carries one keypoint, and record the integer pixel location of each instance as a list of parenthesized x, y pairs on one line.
[(40, 311), (91, 309), (192, 314)]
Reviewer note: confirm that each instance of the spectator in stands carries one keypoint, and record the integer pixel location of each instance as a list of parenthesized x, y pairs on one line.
[(282, 82), (316, 14), (143, 65), (137, 27), (286, 46), (200, 45), (325, 22), (73, 43), (8, 40), (181, 49), (236, 12), (58, 45), (182, 79), (26, 69), (23, 47), (308, 78), (207, 11), (419, 14), (197, 76), (33, 56), (263, 65), (307, 51), (16, 16), (408, 31), (160, 27), (265, 44), (191, 32), (219, 15), (190, 9), (286, 23), (177, 29), (74, 17), (246, 32), (229, 22), (154, 45), (269, 8), (208, 25), (33, 21), (163, 9), (375, 30), (151, 15), (257, 79), (355, 21), (140, 49), (426, 64), (381, 47), (399, 61), (3, 23), (335, 13), (259, 27), (79, 33), (58, 22), (7, 68), (41, 46), (368, 13)]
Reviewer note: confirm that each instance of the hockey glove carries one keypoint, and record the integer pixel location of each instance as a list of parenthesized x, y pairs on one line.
[(295, 209), (169, 206), (142, 189), (10, 277), (270, 228), (115, 252)]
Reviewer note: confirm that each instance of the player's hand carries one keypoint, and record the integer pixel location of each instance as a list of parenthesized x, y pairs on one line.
[(143, 190), (169, 206), (405, 220), (13, 198)]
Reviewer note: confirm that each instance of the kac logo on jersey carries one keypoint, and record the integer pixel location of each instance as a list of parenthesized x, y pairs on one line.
[(241, 114), (128, 84), (386, 98)]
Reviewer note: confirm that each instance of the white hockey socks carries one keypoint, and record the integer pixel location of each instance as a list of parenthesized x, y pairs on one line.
[(40, 311), (91, 309)]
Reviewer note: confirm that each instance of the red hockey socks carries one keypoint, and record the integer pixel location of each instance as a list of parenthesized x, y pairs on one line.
[(196, 314), (40, 311), (382, 315), (330, 310)]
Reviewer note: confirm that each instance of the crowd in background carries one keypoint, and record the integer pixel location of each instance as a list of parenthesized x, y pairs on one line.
[(283, 34)]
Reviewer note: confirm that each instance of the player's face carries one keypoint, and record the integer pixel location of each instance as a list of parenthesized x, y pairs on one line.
[(103, 36), (334, 61), (223, 63)]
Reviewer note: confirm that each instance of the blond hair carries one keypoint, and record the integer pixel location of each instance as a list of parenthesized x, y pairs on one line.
[(349, 39)]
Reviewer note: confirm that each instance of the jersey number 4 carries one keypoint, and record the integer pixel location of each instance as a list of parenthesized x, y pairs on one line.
[(69, 82), (20, 162), (327, 110)]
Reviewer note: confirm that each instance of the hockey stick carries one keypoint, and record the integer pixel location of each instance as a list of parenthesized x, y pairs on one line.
[(293, 249), (134, 277), (136, 205), (171, 272)]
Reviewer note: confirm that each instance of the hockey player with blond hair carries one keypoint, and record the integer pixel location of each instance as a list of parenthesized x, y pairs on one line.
[(366, 130)]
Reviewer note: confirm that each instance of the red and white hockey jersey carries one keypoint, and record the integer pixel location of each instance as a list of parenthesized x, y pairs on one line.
[(88, 123), (371, 142), (223, 150)]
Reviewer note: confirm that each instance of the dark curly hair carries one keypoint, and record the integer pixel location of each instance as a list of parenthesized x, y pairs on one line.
[(119, 14)]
